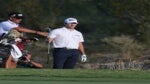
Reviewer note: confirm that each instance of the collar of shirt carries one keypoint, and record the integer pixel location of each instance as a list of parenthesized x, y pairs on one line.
[(11, 22), (68, 29)]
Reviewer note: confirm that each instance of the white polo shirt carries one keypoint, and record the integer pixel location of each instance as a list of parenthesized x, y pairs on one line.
[(6, 26), (63, 37)]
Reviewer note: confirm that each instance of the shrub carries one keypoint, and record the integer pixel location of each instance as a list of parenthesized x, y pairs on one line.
[(127, 46)]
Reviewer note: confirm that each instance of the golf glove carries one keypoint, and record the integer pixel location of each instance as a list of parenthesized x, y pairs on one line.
[(83, 58)]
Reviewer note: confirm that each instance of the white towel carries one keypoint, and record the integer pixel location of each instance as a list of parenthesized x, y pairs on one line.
[(15, 52)]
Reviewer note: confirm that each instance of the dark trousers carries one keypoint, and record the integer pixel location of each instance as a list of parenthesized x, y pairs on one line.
[(65, 58)]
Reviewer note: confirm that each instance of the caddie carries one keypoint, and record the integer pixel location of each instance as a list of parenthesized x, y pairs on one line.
[(14, 19), (6, 29)]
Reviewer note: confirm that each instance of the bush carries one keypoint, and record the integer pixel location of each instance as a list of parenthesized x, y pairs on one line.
[(127, 46)]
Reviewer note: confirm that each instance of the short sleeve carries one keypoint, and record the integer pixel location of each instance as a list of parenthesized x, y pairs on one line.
[(52, 34), (81, 38)]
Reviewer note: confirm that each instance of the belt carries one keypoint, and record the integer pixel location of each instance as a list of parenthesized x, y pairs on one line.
[(66, 48)]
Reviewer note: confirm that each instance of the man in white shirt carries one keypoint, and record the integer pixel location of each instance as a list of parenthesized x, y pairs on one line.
[(14, 19), (68, 44)]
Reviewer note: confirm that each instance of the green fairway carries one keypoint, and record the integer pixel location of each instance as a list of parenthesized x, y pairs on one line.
[(76, 76), (114, 81)]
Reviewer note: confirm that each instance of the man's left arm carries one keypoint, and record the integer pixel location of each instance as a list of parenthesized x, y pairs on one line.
[(83, 56), (81, 48)]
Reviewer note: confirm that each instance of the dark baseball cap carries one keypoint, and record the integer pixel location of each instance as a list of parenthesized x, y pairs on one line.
[(16, 15)]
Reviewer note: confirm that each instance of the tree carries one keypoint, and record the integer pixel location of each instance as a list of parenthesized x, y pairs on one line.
[(137, 11)]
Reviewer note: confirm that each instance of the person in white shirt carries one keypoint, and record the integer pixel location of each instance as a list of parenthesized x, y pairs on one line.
[(68, 45), (14, 19)]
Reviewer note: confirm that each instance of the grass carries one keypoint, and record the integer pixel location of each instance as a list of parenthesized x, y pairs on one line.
[(75, 76)]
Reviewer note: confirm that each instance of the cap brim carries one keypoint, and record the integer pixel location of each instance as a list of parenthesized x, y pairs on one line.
[(72, 22), (19, 17)]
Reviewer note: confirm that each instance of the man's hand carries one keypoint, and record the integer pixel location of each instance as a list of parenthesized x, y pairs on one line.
[(83, 58), (42, 33)]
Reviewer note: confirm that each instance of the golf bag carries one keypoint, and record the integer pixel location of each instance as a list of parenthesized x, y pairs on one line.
[(4, 54), (7, 43)]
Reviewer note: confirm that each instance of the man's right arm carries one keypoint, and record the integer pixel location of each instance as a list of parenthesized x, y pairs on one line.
[(26, 30), (50, 39)]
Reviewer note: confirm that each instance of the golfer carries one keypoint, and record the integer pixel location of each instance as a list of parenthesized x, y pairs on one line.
[(68, 45)]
